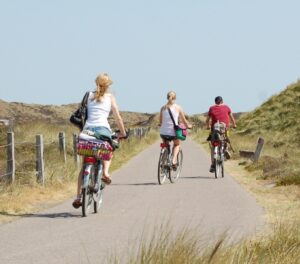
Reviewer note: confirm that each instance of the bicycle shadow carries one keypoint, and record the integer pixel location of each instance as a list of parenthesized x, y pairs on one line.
[(41, 215), (198, 177), (135, 184)]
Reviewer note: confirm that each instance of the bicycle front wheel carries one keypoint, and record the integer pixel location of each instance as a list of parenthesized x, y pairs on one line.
[(176, 173), (163, 168)]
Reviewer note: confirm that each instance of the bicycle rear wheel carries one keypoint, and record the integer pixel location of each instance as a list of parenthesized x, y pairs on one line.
[(176, 173), (163, 167), (87, 199), (217, 168), (222, 168), (98, 198)]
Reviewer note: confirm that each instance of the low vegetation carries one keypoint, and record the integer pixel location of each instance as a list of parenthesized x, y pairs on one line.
[(274, 180), (277, 122), (26, 195), (281, 246)]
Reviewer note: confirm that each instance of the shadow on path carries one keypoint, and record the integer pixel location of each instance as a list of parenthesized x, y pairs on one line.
[(198, 177), (51, 215), (135, 184)]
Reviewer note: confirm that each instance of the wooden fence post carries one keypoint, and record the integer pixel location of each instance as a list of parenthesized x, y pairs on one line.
[(62, 145), (11, 165), (76, 157), (40, 159), (253, 155), (129, 135), (260, 144)]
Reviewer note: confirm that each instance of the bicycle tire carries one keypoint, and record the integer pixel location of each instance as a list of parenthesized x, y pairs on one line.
[(216, 168), (175, 174), (87, 194), (163, 168), (86, 201), (222, 168), (98, 197)]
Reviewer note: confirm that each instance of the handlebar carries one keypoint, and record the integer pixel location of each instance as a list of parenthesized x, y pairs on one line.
[(116, 133)]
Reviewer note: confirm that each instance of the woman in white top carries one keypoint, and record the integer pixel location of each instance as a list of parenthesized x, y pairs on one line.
[(99, 105), (167, 131)]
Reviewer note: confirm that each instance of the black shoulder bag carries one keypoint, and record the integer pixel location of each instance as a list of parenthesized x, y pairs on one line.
[(79, 117)]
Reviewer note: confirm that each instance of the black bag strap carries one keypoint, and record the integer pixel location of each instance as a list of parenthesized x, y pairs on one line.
[(171, 115), (85, 99)]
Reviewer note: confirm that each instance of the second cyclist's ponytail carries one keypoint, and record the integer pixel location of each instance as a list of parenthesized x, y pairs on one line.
[(171, 96)]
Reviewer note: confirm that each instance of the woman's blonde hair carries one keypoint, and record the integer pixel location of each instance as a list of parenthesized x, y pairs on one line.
[(171, 96), (102, 83)]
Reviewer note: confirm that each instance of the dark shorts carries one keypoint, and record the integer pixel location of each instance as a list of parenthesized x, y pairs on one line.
[(166, 137)]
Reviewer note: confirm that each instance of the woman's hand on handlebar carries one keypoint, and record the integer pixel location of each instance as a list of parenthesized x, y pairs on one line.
[(123, 135)]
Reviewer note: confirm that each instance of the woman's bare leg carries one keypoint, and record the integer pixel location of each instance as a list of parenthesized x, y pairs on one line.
[(79, 182), (176, 148), (106, 165)]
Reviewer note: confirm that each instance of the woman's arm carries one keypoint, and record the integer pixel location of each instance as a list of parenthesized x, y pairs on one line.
[(160, 117), (232, 120), (117, 116), (208, 121), (182, 117)]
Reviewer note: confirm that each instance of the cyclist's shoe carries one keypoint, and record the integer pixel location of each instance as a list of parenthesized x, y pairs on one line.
[(106, 179), (174, 166), (208, 138), (227, 154), (212, 168), (77, 203)]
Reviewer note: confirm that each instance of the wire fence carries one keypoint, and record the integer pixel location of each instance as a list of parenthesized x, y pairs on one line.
[(28, 158)]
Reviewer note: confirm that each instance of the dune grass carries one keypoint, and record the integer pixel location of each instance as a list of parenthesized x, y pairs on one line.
[(25, 195), (274, 180), (280, 246)]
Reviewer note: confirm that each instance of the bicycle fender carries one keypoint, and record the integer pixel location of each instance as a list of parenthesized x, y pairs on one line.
[(86, 176)]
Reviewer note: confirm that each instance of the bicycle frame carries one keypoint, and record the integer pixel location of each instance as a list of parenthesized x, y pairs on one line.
[(165, 166), (92, 171), (218, 154), (166, 145), (89, 164)]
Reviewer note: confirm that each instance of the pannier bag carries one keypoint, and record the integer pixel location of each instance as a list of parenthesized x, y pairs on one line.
[(220, 127), (219, 131), (94, 148)]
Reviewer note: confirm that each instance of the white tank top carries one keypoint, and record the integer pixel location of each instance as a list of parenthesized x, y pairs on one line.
[(167, 126), (98, 112)]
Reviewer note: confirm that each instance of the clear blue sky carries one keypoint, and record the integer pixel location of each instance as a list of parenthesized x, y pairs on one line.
[(51, 51)]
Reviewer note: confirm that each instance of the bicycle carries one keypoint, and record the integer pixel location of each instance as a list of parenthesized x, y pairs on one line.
[(165, 168), (92, 186), (219, 144)]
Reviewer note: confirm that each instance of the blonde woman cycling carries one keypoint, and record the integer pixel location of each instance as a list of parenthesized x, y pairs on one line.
[(166, 124), (99, 104)]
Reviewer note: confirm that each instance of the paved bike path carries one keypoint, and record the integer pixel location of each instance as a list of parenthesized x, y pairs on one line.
[(134, 204)]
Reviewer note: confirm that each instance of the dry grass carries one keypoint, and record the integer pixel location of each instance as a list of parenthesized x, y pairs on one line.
[(25, 195), (165, 246), (281, 202), (279, 244)]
